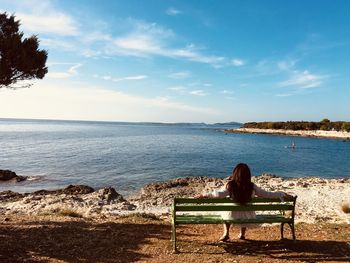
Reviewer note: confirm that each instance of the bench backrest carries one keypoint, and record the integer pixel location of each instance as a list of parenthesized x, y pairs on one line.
[(227, 204)]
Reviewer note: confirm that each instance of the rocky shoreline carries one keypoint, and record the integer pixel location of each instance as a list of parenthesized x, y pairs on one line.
[(319, 200), (303, 133), (7, 175)]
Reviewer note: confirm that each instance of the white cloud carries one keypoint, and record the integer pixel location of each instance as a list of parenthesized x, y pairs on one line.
[(57, 44), (58, 75), (198, 93), (177, 88), (138, 77), (226, 92), (106, 77), (38, 16), (286, 65), (51, 101), (184, 91), (52, 23), (180, 75), (237, 62), (284, 95), (152, 39), (298, 79), (303, 80), (71, 71), (173, 11)]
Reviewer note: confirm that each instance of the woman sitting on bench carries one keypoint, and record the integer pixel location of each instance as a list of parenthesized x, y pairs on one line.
[(241, 189)]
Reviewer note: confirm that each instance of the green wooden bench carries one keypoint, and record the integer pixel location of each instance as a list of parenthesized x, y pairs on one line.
[(200, 211)]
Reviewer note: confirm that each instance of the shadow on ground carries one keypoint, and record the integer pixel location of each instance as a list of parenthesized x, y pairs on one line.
[(300, 250), (77, 241)]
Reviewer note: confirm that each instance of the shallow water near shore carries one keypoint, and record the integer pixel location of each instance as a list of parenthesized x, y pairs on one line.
[(129, 155)]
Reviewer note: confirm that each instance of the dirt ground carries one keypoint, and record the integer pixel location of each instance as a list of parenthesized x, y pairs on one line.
[(138, 239)]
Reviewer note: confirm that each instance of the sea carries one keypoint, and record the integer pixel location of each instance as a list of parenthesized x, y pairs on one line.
[(127, 156)]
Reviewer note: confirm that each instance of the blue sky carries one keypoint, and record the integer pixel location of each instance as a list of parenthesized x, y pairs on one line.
[(186, 61)]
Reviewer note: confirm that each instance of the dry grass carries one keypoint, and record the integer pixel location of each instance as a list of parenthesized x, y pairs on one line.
[(70, 213), (138, 216), (62, 212)]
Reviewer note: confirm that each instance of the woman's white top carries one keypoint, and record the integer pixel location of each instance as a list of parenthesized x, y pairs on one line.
[(257, 191)]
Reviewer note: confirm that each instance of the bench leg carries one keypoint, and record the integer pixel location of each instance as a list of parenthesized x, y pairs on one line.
[(292, 228), (282, 226), (173, 238)]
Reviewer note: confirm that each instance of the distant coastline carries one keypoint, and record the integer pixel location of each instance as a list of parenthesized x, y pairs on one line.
[(304, 133)]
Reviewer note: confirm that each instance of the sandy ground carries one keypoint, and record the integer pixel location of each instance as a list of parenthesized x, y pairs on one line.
[(317, 133), (61, 239)]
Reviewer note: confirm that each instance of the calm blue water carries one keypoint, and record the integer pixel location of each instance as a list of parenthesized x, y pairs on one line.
[(128, 156)]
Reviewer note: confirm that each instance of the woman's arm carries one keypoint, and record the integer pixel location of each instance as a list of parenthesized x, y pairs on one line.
[(259, 192), (221, 193)]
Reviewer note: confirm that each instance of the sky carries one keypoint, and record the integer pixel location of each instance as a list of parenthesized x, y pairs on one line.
[(186, 61)]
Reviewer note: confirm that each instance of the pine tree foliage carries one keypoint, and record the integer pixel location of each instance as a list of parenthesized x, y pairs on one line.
[(20, 58)]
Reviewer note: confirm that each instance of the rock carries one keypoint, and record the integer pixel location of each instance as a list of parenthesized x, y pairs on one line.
[(303, 184), (77, 189), (6, 175), (44, 192), (109, 194), (10, 196), (69, 190), (267, 176), (20, 178)]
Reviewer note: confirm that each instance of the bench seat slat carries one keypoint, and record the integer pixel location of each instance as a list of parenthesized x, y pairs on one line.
[(234, 207), (183, 200), (216, 219)]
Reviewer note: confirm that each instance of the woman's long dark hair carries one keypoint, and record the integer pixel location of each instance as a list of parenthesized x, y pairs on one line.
[(240, 186)]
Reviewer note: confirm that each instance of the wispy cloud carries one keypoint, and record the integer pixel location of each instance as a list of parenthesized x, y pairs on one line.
[(287, 65), (226, 92), (177, 88), (107, 77), (57, 44), (70, 72), (139, 77), (182, 90), (237, 62), (73, 69), (180, 75), (284, 95), (153, 39), (198, 93), (304, 80), (173, 11), (288, 68)]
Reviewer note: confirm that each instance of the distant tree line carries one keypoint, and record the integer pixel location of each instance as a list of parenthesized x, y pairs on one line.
[(325, 125)]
